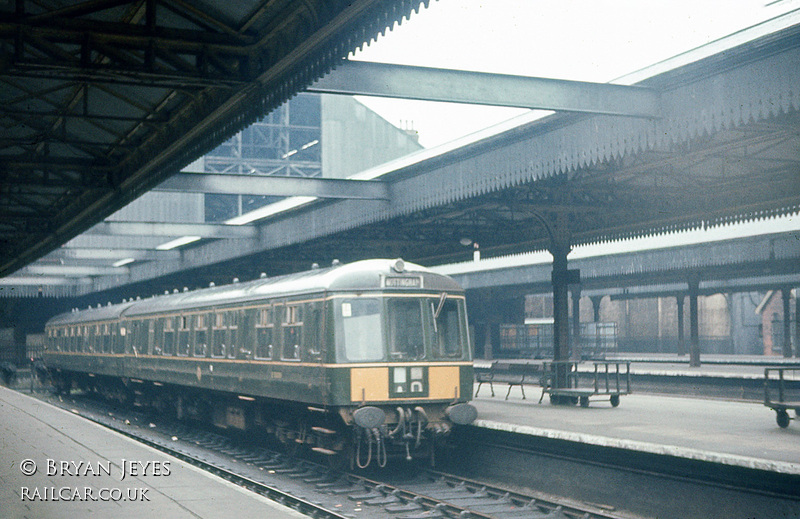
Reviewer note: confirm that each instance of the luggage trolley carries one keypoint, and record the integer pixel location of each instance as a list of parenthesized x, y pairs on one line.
[(786, 381), (607, 380)]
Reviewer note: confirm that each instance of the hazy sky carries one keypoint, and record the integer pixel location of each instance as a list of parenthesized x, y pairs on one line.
[(586, 40)]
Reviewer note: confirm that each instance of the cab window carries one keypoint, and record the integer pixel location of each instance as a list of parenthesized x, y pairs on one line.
[(406, 340)]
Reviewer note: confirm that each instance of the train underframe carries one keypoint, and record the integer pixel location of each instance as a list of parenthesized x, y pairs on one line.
[(344, 436)]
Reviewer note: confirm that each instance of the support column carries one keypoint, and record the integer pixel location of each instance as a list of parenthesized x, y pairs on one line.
[(488, 347), (786, 292), (596, 300), (797, 323), (694, 322), (576, 323), (681, 327), (560, 304)]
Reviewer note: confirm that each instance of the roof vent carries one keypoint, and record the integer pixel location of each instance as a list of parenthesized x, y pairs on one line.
[(336, 263), (263, 275), (314, 266), (235, 280), (212, 284), (174, 290), (166, 292), (185, 289), (399, 265), (138, 298)]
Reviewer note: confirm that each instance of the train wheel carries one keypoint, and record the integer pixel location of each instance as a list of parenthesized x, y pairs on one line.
[(614, 400), (782, 418)]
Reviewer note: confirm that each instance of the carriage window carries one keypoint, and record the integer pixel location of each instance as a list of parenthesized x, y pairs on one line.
[(264, 328), (361, 329), (292, 330), (406, 341), (168, 346)]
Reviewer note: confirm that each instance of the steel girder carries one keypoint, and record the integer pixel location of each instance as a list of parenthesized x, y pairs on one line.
[(459, 86)]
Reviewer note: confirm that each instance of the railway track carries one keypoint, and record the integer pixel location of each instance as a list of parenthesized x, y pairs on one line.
[(321, 492)]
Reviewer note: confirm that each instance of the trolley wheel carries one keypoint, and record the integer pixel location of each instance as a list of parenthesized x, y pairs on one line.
[(782, 418), (584, 401), (614, 400)]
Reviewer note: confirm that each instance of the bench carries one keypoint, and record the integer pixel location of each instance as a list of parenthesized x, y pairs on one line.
[(515, 374)]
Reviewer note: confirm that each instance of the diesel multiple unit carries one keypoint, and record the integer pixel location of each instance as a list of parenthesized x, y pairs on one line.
[(362, 360)]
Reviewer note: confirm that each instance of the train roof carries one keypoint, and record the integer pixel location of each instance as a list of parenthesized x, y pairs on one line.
[(366, 275)]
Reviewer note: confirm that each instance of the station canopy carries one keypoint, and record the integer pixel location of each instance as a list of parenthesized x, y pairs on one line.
[(162, 142)]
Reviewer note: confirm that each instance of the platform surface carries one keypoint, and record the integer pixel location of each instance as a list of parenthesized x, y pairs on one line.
[(90, 484), (730, 432)]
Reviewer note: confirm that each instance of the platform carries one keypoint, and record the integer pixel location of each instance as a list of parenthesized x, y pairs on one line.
[(728, 432), (79, 466)]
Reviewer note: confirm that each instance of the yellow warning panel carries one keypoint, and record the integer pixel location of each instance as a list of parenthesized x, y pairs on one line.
[(369, 384), (443, 382)]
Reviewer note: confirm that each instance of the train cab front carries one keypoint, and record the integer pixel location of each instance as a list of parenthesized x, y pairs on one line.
[(405, 366)]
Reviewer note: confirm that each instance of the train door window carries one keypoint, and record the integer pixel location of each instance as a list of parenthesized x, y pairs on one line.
[(181, 334), (133, 337), (406, 340), (201, 333), (86, 338), (118, 333), (232, 323), (447, 331), (97, 338), (360, 331), (157, 344), (312, 330), (218, 332), (78, 339), (106, 338), (292, 332), (168, 345), (264, 329)]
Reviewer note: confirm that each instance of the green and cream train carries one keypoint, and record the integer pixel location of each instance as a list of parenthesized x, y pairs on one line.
[(364, 360)]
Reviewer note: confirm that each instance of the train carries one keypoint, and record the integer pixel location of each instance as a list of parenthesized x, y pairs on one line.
[(363, 361)]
